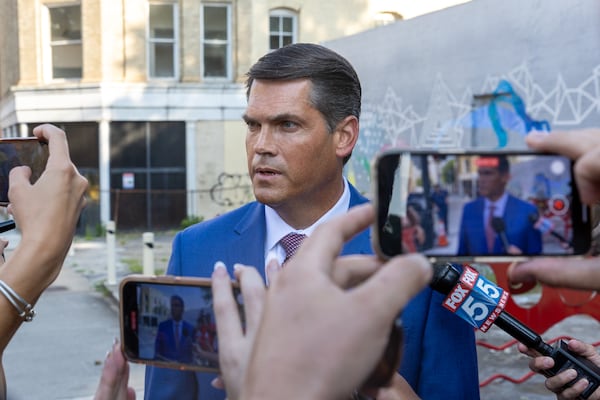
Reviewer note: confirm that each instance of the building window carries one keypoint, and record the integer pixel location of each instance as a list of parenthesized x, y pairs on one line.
[(65, 42), (162, 40), (282, 28), (216, 42)]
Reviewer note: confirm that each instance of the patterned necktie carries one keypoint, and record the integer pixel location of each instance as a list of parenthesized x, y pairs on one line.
[(290, 243), (490, 234)]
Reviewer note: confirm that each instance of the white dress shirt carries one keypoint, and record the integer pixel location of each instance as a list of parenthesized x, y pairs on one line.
[(278, 228)]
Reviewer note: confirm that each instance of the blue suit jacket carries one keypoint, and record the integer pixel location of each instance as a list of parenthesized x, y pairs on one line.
[(519, 230), (165, 348), (439, 359)]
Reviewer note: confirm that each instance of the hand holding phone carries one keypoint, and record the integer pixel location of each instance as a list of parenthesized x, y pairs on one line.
[(14, 152), (478, 205)]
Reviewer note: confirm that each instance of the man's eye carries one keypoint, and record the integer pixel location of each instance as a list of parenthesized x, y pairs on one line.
[(289, 125), (252, 126)]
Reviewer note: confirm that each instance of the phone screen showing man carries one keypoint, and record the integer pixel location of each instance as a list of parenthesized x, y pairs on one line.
[(170, 325)]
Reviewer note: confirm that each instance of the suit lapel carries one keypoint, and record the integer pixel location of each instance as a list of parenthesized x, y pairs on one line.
[(361, 244), (250, 236)]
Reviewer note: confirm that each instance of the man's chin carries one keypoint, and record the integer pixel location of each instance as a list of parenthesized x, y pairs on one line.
[(268, 199)]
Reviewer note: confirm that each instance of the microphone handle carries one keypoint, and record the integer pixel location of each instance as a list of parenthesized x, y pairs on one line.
[(504, 240), (523, 333)]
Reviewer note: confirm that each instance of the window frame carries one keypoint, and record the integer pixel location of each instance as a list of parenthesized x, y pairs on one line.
[(49, 44), (151, 42), (227, 42), (283, 13)]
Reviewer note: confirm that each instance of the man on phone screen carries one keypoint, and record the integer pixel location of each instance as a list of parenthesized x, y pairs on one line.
[(496, 222), (174, 336), (302, 121)]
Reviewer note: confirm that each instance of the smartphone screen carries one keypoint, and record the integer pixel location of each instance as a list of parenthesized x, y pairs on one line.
[(169, 322), (21, 151), (467, 205)]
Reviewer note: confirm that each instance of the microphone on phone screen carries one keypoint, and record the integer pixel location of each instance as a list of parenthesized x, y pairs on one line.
[(500, 228), (544, 225), (481, 303)]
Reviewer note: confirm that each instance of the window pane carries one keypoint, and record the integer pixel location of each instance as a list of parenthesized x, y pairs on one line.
[(274, 24), (167, 146), (127, 145), (215, 23), (161, 21), (286, 40), (274, 42), (215, 57), (161, 59), (287, 24), (65, 23), (66, 61)]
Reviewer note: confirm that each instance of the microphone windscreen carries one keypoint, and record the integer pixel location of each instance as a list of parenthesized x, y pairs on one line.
[(498, 224)]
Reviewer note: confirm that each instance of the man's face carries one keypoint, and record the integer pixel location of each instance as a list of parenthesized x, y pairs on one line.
[(291, 155), (491, 183), (176, 309)]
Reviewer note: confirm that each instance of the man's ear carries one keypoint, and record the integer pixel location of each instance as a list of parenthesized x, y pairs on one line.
[(346, 136)]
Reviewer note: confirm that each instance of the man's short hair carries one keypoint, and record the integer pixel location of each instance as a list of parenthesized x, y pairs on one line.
[(336, 90)]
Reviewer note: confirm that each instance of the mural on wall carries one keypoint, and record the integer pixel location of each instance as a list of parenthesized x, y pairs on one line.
[(498, 115)]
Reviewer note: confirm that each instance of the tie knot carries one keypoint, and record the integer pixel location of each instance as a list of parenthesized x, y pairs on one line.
[(290, 243)]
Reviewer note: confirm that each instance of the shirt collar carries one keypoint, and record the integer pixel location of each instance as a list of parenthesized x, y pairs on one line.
[(278, 228), (499, 205)]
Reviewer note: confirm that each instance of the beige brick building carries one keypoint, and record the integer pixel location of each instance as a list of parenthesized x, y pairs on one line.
[(150, 92)]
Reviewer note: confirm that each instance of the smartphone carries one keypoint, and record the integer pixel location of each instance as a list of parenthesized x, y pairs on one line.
[(153, 309), (21, 151), (461, 206)]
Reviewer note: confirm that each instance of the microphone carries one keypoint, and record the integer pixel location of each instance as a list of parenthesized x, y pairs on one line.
[(500, 228), (481, 303), (544, 225)]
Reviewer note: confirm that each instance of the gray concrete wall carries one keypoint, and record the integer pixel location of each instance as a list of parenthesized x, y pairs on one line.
[(419, 76)]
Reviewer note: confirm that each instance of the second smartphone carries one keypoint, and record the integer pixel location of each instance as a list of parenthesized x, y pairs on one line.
[(169, 322), (438, 203)]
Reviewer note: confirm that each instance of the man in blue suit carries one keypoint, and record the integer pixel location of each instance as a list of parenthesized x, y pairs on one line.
[(497, 222), (302, 123), (174, 337)]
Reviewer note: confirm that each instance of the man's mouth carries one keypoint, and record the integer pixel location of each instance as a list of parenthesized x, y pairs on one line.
[(267, 172)]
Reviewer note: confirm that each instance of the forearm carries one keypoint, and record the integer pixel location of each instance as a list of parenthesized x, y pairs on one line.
[(28, 271)]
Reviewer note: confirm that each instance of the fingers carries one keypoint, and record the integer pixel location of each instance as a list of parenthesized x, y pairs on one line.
[(562, 272), (587, 174), (349, 271), (19, 176), (227, 317), (571, 144), (272, 270), (583, 349), (581, 146), (324, 245), (115, 377), (218, 383), (253, 293), (394, 284), (57, 142)]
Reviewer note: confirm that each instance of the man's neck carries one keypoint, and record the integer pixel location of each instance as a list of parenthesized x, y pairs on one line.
[(307, 213)]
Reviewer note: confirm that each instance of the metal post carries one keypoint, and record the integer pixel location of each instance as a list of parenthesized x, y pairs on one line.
[(148, 238), (111, 253)]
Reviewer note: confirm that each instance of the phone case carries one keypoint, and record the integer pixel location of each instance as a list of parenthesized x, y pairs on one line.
[(153, 308), (392, 231)]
